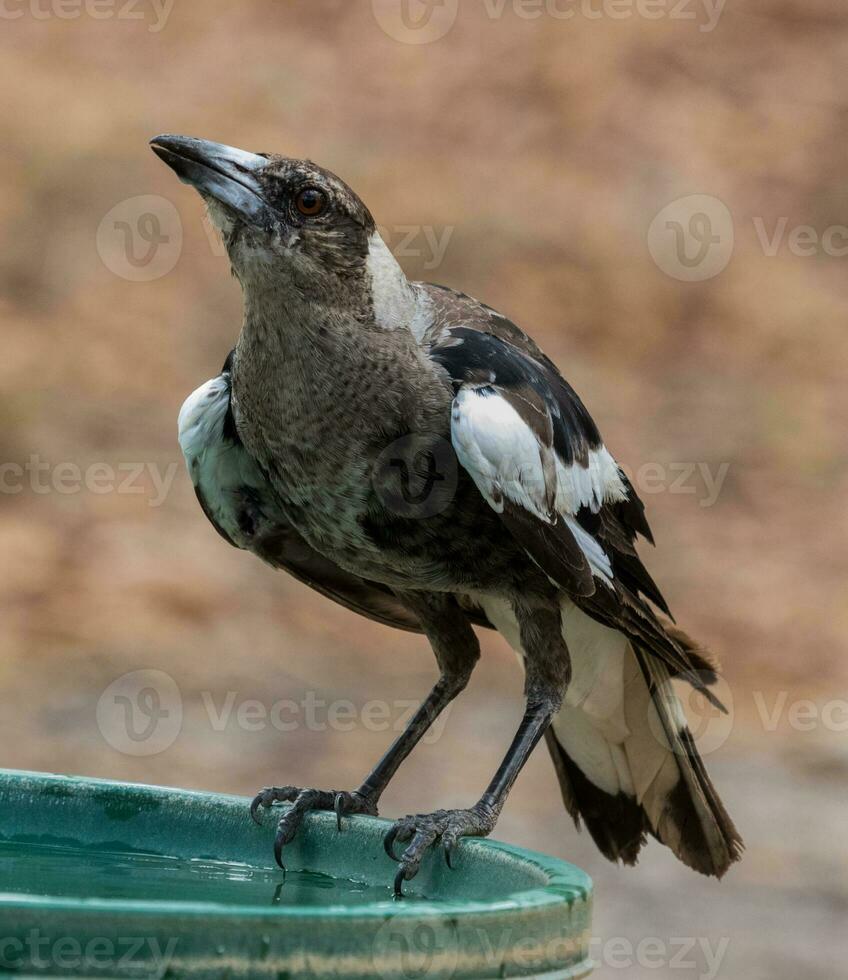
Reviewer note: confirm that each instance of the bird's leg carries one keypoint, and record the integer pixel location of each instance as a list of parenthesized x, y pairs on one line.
[(548, 673), (457, 651)]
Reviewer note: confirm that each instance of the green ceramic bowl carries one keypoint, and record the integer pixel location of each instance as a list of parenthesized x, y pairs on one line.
[(105, 879)]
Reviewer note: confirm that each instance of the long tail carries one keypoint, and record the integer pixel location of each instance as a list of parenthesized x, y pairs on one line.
[(627, 763)]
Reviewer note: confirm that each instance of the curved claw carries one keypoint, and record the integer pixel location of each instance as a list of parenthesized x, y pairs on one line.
[(278, 850), (389, 841), (254, 809), (338, 806), (400, 877)]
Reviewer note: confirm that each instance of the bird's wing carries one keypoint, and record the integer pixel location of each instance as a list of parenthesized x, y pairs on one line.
[(533, 451), (536, 456), (238, 499)]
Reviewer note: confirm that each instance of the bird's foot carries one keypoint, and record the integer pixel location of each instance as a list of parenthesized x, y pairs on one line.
[(302, 800), (425, 829)]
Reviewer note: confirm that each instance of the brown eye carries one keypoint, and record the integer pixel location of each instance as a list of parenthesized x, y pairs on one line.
[(310, 201)]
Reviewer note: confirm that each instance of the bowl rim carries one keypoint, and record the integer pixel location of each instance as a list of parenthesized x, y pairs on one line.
[(565, 883)]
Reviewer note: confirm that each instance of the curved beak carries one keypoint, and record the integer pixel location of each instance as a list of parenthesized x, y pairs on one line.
[(224, 173)]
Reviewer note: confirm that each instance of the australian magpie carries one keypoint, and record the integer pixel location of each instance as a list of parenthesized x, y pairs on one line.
[(412, 454)]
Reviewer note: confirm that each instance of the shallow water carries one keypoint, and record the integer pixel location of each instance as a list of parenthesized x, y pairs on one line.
[(60, 871)]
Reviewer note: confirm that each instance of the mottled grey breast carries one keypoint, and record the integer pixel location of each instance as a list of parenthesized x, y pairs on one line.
[(239, 500)]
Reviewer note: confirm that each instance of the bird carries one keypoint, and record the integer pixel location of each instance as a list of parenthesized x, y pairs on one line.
[(413, 455)]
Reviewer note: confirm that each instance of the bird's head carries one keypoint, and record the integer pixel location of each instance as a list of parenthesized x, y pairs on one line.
[(288, 225)]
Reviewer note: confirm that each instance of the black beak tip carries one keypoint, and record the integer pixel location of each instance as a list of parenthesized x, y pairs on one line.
[(217, 171), (160, 142), (172, 140), (167, 146), (162, 149)]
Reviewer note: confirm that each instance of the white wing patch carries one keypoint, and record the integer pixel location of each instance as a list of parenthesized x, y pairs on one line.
[(506, 460), (221, 470), (201, 420), (589, 486), (500, 451)]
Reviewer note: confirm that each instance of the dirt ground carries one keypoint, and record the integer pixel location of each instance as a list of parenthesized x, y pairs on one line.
[(526, 160)]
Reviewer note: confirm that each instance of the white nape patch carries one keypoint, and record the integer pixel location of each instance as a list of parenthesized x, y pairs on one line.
[(395, 301), (499, 450), (423, 317), (589, 486)]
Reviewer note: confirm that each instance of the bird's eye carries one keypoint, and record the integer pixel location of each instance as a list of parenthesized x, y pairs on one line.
[(310, 201)]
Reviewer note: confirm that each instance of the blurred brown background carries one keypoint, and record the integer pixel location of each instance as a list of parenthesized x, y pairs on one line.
[(521, 157)]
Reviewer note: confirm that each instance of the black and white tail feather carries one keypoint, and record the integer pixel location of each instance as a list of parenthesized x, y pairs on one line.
[(668, 794)]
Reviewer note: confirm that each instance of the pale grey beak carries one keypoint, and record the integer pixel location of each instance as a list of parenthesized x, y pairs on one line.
[(225, 173)]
